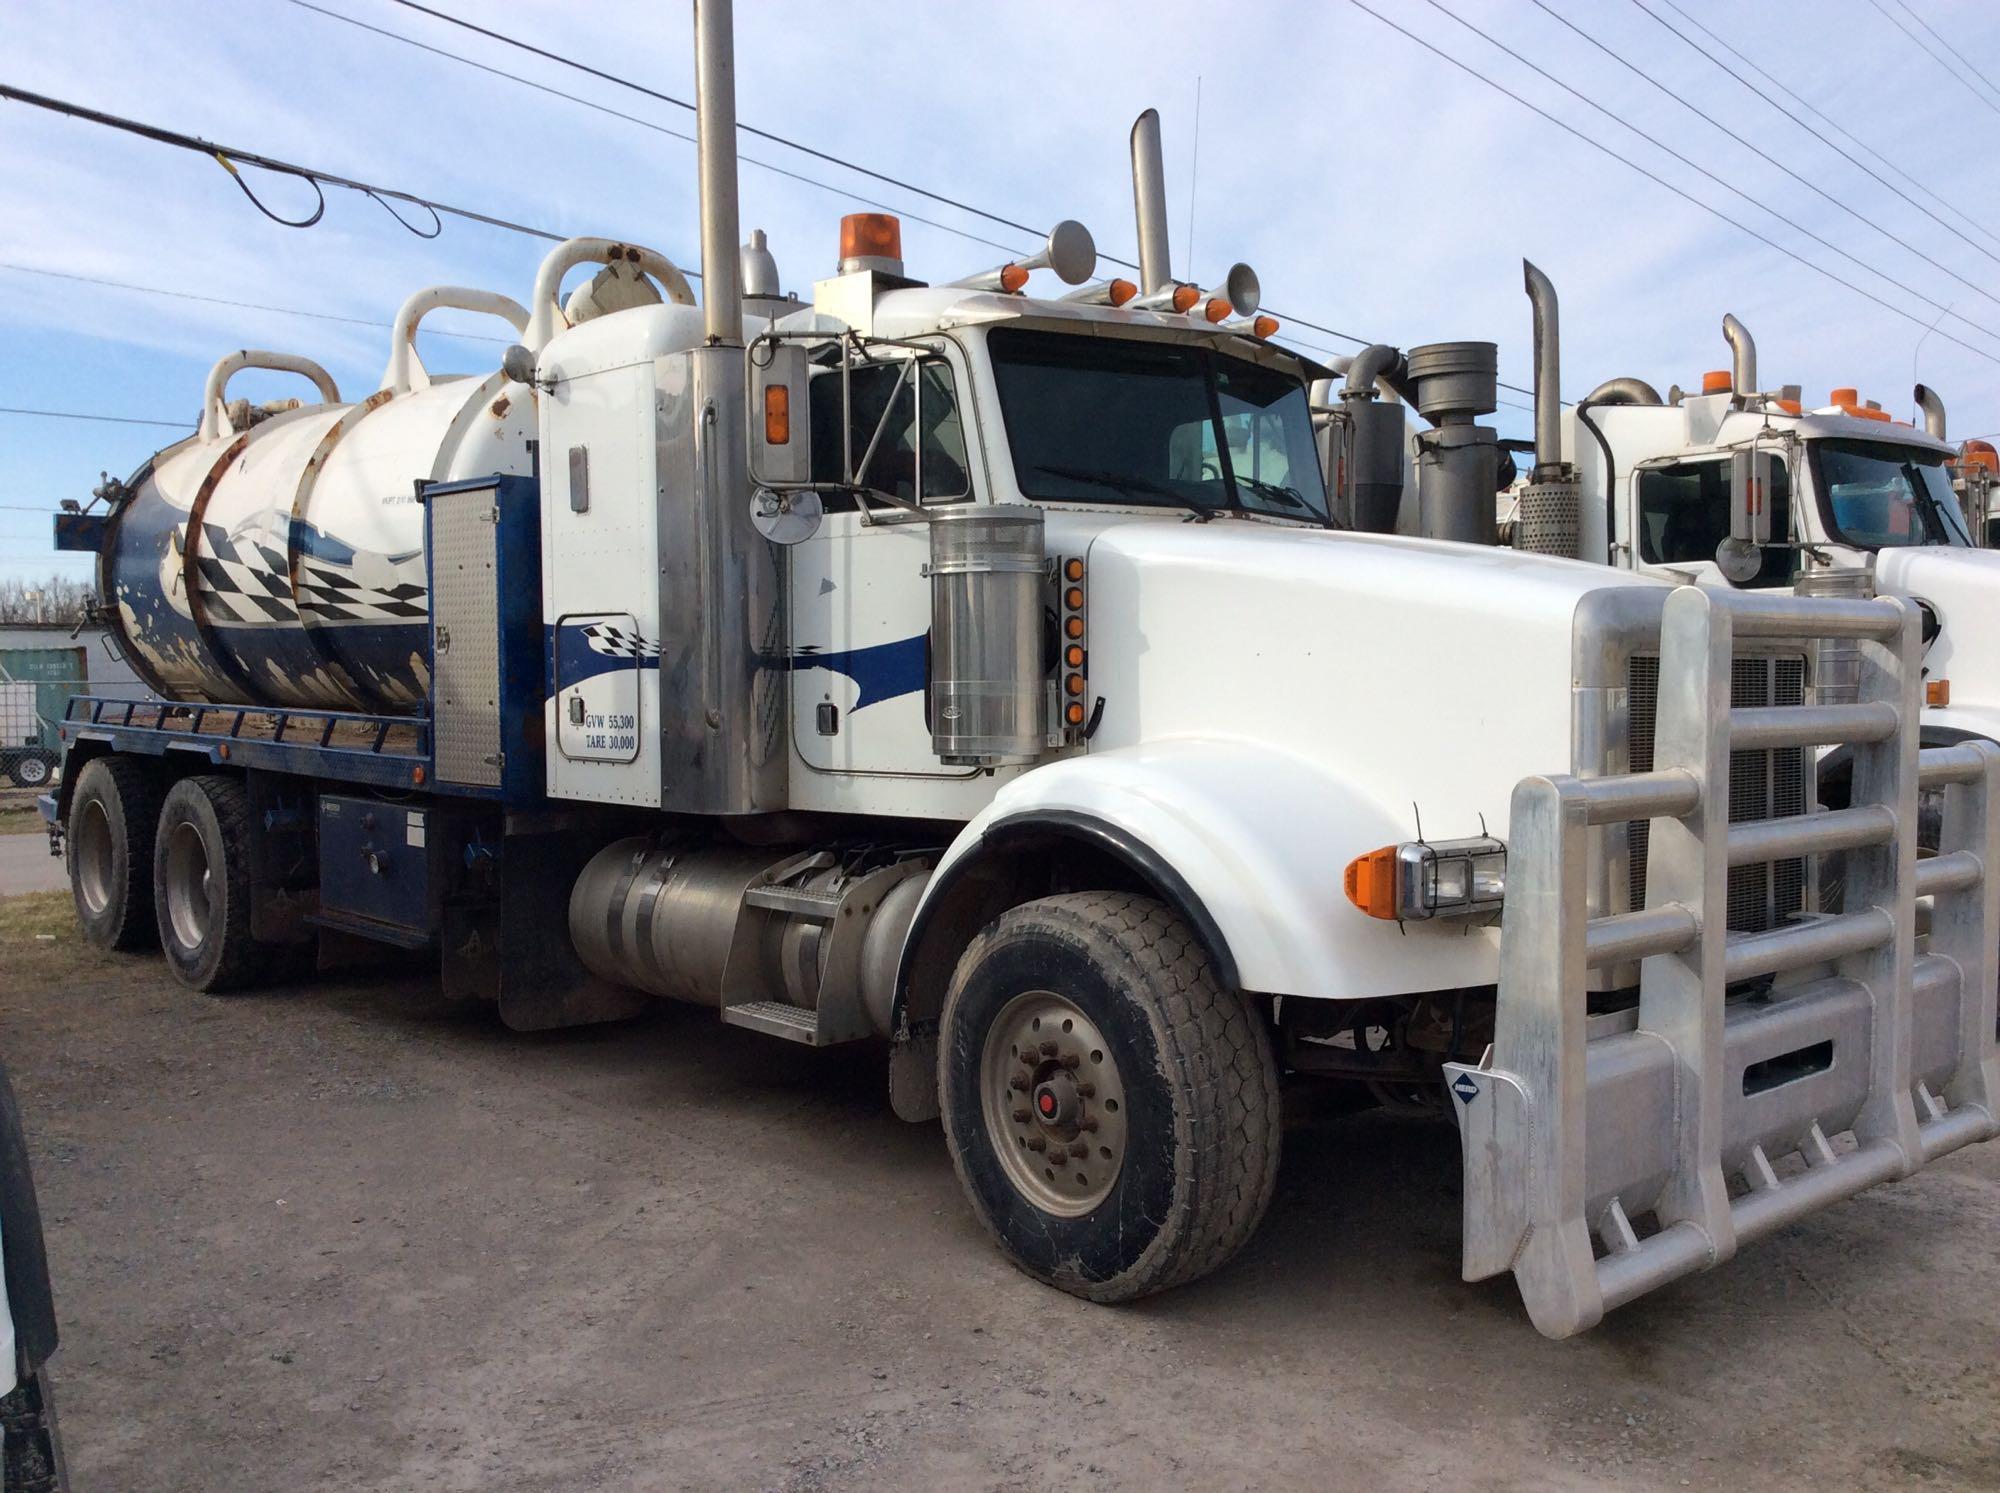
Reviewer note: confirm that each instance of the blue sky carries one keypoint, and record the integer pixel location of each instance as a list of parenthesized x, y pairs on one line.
[(1376, 188)]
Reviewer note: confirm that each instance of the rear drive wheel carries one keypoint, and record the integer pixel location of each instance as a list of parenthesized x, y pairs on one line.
[(201, 884), (32, 769), (1112, 1114), (109, 835)]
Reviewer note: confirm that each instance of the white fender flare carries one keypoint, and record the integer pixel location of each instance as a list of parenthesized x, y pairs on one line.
[(1249, 846)]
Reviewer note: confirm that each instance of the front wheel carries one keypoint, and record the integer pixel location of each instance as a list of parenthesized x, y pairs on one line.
[(1112, 1114)]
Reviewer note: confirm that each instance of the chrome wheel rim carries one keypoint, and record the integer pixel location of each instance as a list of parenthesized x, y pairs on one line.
[(90, 845), (190, 887), (34, 772), (1054, 1103)]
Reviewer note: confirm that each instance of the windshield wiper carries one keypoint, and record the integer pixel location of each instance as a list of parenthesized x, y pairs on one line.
[(1128, 483), (1289, 497)]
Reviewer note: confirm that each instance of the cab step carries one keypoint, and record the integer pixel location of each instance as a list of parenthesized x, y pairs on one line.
[(778, 1019)]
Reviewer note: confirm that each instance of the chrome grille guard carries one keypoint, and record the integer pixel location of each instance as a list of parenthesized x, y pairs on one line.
[(1575, 1126)]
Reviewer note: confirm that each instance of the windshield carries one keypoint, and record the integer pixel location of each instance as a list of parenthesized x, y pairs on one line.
[(1884, 495), (1167, 424)]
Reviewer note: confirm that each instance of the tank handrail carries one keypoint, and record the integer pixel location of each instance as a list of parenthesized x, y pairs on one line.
[(567, 255), (213, 422), (403, 356)]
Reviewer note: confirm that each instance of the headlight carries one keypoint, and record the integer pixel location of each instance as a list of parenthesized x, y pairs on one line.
[(1422, 879)]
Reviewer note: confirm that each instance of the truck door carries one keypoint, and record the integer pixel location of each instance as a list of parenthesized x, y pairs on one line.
[(1681, 513), (860, 603)]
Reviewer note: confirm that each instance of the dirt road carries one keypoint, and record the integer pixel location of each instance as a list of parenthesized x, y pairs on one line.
[(340, 1238)]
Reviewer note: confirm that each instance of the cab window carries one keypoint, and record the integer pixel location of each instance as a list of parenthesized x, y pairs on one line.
[(1684, 515), (894, 466)]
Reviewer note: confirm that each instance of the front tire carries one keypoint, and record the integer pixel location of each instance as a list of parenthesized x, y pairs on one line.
[(201, 885), (109, 839), (1112, 1114)]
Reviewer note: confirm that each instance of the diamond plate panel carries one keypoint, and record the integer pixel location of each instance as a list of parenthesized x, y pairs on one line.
[(465, 637)]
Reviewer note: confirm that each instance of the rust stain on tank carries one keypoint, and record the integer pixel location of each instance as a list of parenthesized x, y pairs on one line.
[(501, 406)]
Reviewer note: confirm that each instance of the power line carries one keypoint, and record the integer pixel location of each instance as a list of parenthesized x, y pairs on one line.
[(213, 300), (1807, 126), (1762, 154), (1654, 177), (227, 154), (1807, 104), (747, 129), (109, 419), (841, 192), (1943, 62), (602, 74)]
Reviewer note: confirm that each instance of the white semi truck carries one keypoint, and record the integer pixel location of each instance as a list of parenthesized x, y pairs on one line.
[(982, 673)]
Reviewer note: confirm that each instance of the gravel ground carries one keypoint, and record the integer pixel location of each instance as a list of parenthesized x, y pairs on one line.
[(339, 1237)]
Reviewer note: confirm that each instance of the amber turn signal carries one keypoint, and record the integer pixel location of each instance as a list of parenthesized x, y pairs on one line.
[(1370, 882), (1012, 277), (777, 415), (1122, 291), (1072, 570), (1937, 691), (1185, 296)]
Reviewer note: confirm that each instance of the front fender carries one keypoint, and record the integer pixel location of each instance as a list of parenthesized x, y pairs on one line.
[(1254, 843)]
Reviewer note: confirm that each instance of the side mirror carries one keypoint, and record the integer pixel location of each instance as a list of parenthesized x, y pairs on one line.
[(1751, 476), (786, 518), (518, 364), (780, 415)]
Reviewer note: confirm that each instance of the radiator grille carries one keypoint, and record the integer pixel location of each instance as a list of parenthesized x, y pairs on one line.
[(1762, 785)]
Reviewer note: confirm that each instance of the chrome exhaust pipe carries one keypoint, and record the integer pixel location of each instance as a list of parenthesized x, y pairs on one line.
[(1149, 204), (715, 127), (1933, 408), (1548, 369), (1743, 358)]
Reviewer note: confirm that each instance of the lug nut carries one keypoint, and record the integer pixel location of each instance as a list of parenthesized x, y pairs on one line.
[(1049, 1049), (1036, 1143), (1071, 1061), (1078, 1149), (1087, 1090), (1088, 1122), (1021, 1117), (1020, 1081)]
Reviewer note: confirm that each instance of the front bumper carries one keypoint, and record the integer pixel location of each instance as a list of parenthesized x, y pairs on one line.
[(1607, 1156)]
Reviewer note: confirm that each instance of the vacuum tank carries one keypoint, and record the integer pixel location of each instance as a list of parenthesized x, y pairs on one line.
[(276, 557)]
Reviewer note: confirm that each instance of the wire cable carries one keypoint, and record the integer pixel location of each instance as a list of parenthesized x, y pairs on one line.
[(200, 146), (1711, 210), (319, 207), (1762, 154), (666, 98), (1943, 62), (747, 129), (109, 419), (1808, 127), (216, 300), (841, 192), (1806, 104)]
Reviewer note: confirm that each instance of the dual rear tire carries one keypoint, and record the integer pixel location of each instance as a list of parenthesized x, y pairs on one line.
[(168, 868)]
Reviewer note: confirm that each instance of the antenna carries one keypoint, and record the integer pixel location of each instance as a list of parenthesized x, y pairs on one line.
[(1194, 176)]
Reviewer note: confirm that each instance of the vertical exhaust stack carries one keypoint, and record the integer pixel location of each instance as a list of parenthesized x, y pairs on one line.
[(1933, 408), (1550, 521), (715, 125), (1742, 360), (1149, 204)]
